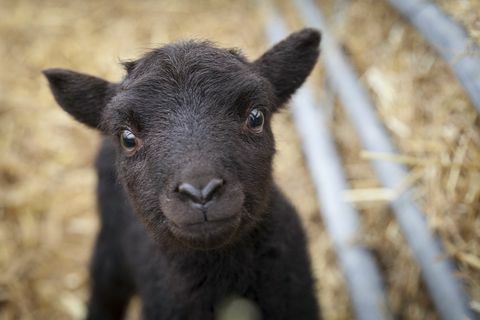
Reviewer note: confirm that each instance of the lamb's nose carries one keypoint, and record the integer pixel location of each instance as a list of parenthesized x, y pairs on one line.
[(200, 196)]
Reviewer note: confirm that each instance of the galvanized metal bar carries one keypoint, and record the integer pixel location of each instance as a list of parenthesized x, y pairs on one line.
[(342, 220), (446, 291), (449, 39)]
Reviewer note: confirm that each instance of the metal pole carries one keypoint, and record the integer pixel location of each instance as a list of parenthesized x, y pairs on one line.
[(438, 271), (449, 39), (341, 219)]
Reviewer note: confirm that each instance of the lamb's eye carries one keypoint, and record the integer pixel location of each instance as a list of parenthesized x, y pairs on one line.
[(129, 141), (255, 120)]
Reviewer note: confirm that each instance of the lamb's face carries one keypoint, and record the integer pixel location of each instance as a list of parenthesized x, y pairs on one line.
[(194, 142), (192, 124)]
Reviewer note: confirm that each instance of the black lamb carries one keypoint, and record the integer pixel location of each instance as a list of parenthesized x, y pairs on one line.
[(190, 214)]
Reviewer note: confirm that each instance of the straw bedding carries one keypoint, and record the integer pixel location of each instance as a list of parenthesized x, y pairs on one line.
[(47, 209)]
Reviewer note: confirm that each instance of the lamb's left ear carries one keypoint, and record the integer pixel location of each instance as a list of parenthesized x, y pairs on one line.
[(81, 95), (289, 62)]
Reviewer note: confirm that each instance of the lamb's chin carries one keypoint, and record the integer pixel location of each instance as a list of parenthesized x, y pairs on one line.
[(209, 235)]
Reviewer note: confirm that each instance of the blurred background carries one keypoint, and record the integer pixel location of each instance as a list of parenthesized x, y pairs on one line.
[(47, 184)]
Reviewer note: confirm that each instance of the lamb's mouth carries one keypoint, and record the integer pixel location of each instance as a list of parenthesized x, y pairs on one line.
[(207, 234)]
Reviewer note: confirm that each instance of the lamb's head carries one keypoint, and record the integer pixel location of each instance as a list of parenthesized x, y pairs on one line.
[(192, 128)]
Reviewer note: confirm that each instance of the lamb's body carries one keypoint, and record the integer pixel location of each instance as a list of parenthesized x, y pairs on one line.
[(270, 267), (190, 215)]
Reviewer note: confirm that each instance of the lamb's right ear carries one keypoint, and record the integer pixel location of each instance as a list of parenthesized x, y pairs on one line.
[(287, 64), (81, 95)]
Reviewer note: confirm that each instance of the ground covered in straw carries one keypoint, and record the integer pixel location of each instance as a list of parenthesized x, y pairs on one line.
[(47, 209)]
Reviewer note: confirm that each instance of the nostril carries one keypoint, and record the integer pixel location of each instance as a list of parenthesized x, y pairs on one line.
[(209, 190), (191, 192), (198, 196)]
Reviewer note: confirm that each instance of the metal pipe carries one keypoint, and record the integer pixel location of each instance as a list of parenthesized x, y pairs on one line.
[(446, 291), (341, 219), (449, 39)]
